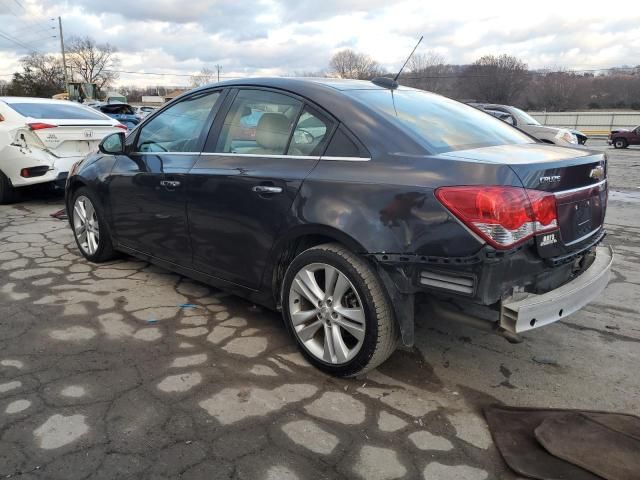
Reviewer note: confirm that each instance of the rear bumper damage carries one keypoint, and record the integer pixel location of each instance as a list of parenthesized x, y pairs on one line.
[(14, 159), (512, 293), (520, 313)]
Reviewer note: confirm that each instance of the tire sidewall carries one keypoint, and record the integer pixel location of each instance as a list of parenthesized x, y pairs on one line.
[(362, 358), (619, 144), (104, 242)]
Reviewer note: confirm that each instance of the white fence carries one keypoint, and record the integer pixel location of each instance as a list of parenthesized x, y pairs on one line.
[(592, 123)]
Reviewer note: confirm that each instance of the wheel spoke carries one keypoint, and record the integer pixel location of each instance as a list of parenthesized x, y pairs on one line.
[(330, 277), (328, 353), (340, 349), (89, 210), (79, 209), (306, 284), (356, 330), (342, 285), (93, 244), (303, 316), (353, 314), (306, 333)]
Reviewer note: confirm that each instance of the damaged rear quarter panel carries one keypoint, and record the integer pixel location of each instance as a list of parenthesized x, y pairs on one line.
[(390, 207)]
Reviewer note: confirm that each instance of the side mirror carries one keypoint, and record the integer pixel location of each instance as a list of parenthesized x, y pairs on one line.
[(113, 144)]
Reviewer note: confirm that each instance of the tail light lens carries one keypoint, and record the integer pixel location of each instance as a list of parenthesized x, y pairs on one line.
[(124, 127), (503, 216), (1, 118), (40, 126)]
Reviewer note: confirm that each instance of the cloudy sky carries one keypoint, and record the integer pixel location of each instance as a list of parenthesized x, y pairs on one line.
[(282, 37)]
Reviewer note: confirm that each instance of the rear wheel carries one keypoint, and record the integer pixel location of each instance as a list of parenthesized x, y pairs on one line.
[(7, 190), (620, 143), (90, 228), (335, 306)]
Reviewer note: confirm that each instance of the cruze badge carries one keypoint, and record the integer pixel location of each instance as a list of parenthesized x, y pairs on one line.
[(550, 179), (597, 173), (549, 239)]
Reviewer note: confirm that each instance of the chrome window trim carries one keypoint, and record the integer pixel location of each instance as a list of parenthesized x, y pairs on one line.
[(346, 159), (165, 153), (259, 155), (573, 190)]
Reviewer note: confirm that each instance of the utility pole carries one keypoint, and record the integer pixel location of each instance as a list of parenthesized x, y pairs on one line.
[(64, 60), (218, 67)]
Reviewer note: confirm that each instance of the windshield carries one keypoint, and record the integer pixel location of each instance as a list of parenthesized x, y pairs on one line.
[(441, 123), (528, 119), (57, 111)]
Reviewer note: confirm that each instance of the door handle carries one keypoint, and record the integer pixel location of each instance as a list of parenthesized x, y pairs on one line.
[(170, 183), (266, 189)]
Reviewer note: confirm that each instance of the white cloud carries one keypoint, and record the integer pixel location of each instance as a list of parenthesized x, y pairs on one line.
[(286, 36)]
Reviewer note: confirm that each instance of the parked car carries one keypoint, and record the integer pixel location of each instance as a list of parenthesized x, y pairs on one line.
[(41, 138), (525, 122), (623, 138), (123, 112), (352, 202), (144, 110)]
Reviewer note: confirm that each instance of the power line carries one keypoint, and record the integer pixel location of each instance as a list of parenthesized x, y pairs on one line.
[(19, 43)]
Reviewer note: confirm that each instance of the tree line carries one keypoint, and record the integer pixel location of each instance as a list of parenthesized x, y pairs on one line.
[(502, 79), (43, 75), (492, 78)]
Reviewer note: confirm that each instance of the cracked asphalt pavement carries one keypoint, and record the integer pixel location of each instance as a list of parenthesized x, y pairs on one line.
[(125, 370)]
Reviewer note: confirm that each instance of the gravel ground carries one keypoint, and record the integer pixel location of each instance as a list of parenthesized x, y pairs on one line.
[(104, 375)]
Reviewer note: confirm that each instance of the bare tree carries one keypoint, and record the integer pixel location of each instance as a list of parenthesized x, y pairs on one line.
[(4, 86), (429, 71), (421, 62), (41, 76), (92, 62), (350, 64), (557, 91), (205, 76), (500, 79)]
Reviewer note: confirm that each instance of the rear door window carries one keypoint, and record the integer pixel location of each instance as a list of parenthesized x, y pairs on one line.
[(56, 111), (178, 128), (311, 134), (342, 145), (259, 122)]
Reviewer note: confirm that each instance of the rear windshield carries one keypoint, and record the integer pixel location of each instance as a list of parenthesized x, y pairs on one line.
[(442, 124), (57, 111)]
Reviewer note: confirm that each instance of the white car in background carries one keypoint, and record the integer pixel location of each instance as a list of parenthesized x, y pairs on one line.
[(528, 124), (40, 139)]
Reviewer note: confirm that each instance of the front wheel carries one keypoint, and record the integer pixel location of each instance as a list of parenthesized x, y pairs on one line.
[(90, 228), (335, 306), (620, 143)]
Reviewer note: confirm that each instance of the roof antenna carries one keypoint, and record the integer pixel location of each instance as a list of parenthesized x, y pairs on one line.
[(407, 60), (392, 84)]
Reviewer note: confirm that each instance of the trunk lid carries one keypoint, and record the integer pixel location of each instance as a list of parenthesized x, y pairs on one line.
[(72, 138), (576, 176)]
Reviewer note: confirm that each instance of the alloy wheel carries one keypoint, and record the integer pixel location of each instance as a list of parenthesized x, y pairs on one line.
[(85, 225), (327, 314)]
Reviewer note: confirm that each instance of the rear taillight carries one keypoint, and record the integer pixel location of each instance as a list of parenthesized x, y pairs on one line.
[(40, 126), (503, 216), (124, 127), (1, 118)]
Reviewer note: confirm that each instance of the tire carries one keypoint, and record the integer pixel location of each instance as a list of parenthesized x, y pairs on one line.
[(620, 143), (8, 192), (360, 292), (101, 248)]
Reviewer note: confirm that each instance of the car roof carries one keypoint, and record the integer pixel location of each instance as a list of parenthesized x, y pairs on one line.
[(10, 100), (304, 82)]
